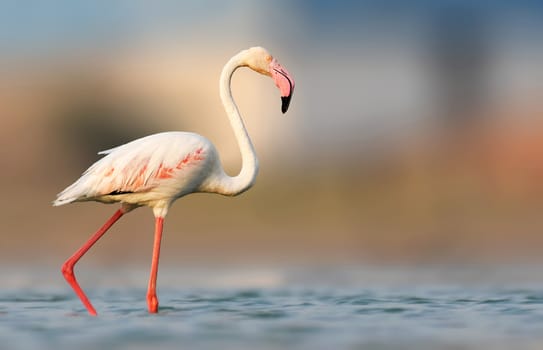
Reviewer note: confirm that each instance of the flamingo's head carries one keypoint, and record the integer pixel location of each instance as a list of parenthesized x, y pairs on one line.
[(260, 60)]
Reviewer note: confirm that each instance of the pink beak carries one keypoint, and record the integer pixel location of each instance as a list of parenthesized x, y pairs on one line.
[(284, 81)]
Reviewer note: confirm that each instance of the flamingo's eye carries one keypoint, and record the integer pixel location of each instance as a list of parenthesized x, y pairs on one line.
[(269, 58)]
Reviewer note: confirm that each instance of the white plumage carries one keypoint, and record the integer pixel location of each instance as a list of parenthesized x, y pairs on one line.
[(156, 170)]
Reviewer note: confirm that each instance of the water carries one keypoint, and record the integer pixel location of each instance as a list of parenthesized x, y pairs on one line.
[(276, 314)]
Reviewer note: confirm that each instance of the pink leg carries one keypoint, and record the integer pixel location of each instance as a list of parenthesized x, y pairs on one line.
[(152, 300), (68, 266)]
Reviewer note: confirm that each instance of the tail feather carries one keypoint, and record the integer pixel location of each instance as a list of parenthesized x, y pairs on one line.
[(61, 201), (70, 194), (64, 198)]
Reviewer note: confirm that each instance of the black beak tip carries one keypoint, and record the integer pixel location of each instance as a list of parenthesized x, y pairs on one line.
[(285, 102)]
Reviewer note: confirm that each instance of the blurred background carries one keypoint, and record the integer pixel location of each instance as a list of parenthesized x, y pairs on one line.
[(415, 134)]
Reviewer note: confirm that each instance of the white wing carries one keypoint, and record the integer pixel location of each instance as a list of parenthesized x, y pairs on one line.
[(140, 166)]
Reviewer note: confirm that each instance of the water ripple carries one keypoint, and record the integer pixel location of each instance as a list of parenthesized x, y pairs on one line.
[(275, 319)]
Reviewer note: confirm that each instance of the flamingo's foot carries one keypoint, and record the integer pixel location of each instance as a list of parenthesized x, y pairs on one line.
[(152, 303)]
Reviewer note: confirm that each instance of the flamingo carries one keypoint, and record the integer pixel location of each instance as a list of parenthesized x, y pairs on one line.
[(156, 170)]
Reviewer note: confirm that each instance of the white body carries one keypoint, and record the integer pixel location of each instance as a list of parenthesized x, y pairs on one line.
[(153, 171)]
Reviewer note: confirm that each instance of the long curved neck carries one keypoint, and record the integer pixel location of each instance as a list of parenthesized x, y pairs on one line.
[(249, 169)]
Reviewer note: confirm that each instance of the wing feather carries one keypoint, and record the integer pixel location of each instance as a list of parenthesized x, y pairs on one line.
[(137, 166)]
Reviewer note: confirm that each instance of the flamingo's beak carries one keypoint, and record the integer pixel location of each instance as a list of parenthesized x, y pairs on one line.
[(284, 81)]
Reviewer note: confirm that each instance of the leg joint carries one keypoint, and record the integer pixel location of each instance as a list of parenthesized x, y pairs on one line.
[(67, 269)]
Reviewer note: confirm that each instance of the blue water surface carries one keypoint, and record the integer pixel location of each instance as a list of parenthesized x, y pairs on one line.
[(278, 315)]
